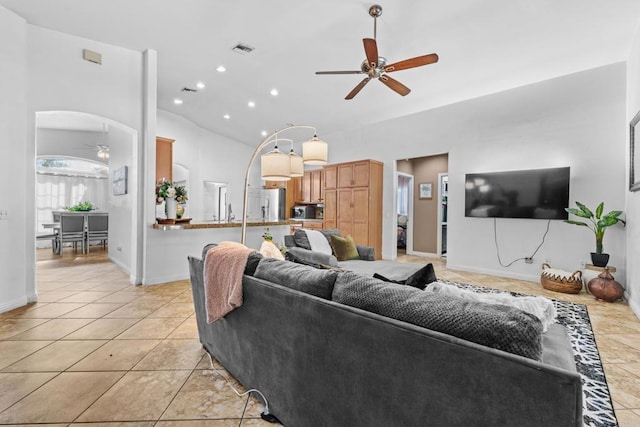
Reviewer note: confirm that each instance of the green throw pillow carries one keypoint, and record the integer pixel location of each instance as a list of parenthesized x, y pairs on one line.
[(344, 248)]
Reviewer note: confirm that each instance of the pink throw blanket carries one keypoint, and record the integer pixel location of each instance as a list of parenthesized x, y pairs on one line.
[(223, 270)]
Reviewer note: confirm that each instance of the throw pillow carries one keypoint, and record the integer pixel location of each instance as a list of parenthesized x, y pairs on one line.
[(420, 279), (300, 238), (297, 276), (344, 248), (252, 263), (270, 250), (318, 242)]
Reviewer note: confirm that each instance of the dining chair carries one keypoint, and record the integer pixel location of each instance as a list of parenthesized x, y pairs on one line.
[(71, 231), (97, 229)]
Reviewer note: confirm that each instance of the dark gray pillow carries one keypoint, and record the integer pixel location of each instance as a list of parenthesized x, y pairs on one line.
[(297, 276), (328, 232), (502, 327), (301, 239)]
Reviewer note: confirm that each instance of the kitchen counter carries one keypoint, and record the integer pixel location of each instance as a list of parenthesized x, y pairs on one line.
[(218, 224)]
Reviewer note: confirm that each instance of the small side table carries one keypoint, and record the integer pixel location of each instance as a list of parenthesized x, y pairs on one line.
[(591, 272)]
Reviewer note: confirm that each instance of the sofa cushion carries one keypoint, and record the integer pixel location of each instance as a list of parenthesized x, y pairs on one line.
[(303, 278), (344, 248), (501, 327), (308, 257)]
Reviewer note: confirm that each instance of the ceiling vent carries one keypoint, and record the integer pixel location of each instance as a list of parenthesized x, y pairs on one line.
[(242, 48)]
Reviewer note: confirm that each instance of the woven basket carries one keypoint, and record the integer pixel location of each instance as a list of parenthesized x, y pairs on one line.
[(561, 281)]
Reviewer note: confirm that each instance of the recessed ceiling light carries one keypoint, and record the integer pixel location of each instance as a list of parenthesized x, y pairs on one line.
[(251, 104), (263, 133), (221, 69), (226, 117), (274, 92), (200, 85), (177, 101)]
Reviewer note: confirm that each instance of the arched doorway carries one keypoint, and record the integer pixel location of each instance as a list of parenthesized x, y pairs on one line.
[(88, 136)]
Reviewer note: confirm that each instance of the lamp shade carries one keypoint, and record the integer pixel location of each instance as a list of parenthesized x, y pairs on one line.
[(297, 164), (275, 166), (314, 151)]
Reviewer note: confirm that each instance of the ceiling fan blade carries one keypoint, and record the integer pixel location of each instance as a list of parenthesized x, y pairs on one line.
[(358, 88), (418, 61), (395, 85), (339, 72), (371, 50)]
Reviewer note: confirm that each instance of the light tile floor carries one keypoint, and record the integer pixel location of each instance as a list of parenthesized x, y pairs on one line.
[(96, 349)]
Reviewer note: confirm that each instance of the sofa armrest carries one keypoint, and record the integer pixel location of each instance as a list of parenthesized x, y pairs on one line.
[(366, 253), (313, 257)]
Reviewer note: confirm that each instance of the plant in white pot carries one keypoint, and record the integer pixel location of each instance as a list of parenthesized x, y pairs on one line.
[(598, 223)]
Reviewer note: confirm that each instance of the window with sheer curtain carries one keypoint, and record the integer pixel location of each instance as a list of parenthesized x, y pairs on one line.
[(403, 195), (56, 191)]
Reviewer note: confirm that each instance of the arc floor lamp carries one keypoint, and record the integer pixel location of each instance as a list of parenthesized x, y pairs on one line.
[(278, 166)]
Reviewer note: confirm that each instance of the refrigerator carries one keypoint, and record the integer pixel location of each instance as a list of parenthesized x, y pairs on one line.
[(266, 205)]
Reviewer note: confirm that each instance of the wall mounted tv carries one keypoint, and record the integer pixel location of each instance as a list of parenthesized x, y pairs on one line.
[(534, 193)]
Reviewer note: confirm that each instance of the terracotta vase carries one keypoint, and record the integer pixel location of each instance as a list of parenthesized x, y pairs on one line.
[(605, 287)]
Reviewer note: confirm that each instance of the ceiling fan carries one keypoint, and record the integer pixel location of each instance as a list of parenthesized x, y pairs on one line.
[(376, 66)]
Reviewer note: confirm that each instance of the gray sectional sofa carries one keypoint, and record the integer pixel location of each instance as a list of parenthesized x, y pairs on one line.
[(320, 362)]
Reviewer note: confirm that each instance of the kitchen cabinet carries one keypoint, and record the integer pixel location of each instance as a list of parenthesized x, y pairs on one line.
[(355, 206), (355, 174), (164, 159), (330, 177), (275, 184), (311, 187), (330, 208), (316, 186)]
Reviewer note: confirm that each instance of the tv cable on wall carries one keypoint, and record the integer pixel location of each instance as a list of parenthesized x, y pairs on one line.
[(528, 259)]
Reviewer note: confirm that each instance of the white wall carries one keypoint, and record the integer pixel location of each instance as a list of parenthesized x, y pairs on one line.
[(43, 70), (60, 80), (15, 271), (576, 120), (633, 198), (122, 219)]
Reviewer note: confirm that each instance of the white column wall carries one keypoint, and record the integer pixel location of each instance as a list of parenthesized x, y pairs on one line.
[(16, 252)]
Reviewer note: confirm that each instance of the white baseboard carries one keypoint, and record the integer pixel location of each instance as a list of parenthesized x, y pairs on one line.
[(163, 279), (499, 273), (15, 303), (633, 304), (423, 254)]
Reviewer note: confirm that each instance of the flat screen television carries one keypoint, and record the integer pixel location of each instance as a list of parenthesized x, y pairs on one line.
[(534, 193)]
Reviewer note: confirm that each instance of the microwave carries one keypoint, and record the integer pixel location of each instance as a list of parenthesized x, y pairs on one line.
[(303, 212)]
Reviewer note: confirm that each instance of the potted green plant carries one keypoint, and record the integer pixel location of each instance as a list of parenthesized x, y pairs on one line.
[(598, 223)]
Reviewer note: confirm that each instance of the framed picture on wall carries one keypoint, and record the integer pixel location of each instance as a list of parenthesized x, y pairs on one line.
[(634, 160), (425, 190), (120, 181)]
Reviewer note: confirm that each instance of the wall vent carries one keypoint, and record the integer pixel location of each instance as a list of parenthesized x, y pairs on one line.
[(242, 48)]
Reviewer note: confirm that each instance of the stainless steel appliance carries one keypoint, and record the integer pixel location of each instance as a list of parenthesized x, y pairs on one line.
[(266, 205), (303, 212)]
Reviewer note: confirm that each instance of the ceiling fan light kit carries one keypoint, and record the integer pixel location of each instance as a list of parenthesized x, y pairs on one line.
[(375, 66)]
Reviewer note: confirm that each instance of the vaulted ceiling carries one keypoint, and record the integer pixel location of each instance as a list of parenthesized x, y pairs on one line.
[(484, 46)]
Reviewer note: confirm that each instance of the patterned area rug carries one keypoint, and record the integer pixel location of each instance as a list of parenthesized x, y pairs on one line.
[(596, 401)]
